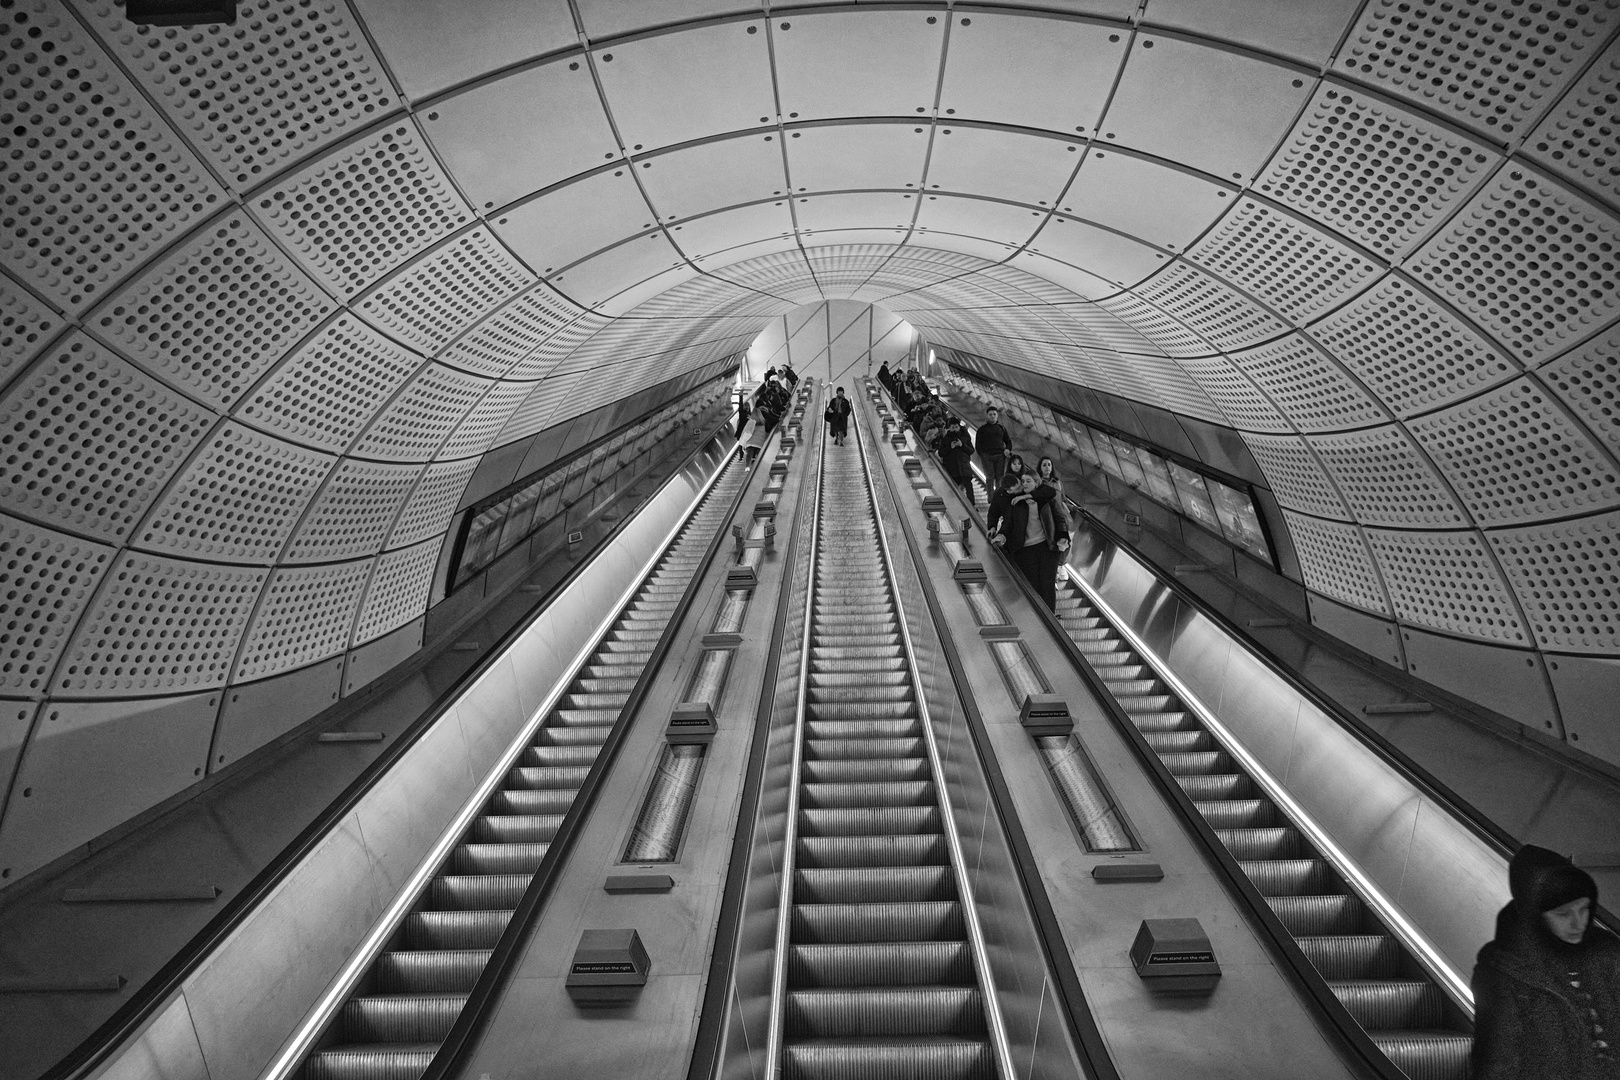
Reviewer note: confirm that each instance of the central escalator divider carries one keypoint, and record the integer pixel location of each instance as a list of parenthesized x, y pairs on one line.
[(881, 980)]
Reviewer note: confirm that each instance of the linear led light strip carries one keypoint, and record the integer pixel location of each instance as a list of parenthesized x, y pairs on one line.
[(303, 1038), (1413, 938)]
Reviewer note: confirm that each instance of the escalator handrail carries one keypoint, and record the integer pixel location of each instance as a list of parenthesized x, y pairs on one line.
[(1077, 1010), (126, 1023), (464, 1034), (1337, 1019)]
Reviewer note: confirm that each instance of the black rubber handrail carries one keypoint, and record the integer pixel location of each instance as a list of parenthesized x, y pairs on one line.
[(1076, 1010), (722, 959), (463, 1038), (1336, 1020), (127, 1020)]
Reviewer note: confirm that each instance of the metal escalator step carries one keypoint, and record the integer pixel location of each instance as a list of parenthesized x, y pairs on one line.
[(618, 684), (615, 700), (941, 1058), (863, 661), (861, 710), (1101, 634), (543, 776), (1427, 1055), (852, 640), (862, 748), (1394, 1004), (1319, 916), (407, 1018), (860, 619), (812, 852), (820, 653), (922, 920), (869, 820), (1346, 957), (1282, 842), (1289, 877), (816, 795), (389, 1061), (572, 718), (841, 676), (1166, 721), (1180, 742), (857, 694), (1212, 788), (1146, 703), (454, 929), (1198, 763), (1133, 689), (549, 756), (885, 964), (498, 858), (1238, 813), (864, 770), (442, 971), (531, 802), (595, 735), (889, 1010), (908, 728), (851, 886), (476, 892)]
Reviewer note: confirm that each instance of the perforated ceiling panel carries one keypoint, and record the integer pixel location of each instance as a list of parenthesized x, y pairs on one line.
[(1310, 388), (49, 579), (1568, 575), (397, 592), (506, 343), (1297, 479), (1386, 480), (354, 511), (417, 421), (1336, 562), (1588, 382), (305, 615), (1448, 581), (1220, 316), (445, 292), (1241, 402), (1577, 137), (475, 433), (26, 326), (432, 502)]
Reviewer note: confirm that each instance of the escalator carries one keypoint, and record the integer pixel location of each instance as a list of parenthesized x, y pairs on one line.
[(878, 973), (406, 1004), (1377, 979)]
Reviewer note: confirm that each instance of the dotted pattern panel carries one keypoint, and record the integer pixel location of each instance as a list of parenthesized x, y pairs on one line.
[(160, 626), (556, 349), (504, 342), (1513, 456), (354, 511), (1296, 479), (305, 615), (216, 313), (1220, 315), (1296, 269), (1588, 381), (1162, 330), (49, 577), (398, 591), (94, 181), (1308, 387), (1379, 174), (1409, 350), (442, 294), (289, 76), (427, 410), (87, 441), (1578, 137), (1534, 264), (1386, 480), (238, 499), (1244, 406), (1335, 561), (26, 325), (433, 502), (1567, 576), (534, 412), (327, 391), (364, 209), (1494, 65), (1448, 582), (478, 431)]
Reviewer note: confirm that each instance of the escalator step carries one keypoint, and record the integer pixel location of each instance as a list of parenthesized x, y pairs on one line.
[(827, 654), (1125, 689), (1344, 957), (1274, 843), (529, 802), (1238, 813), (828, 796), (540, 776), (1166, 721), (889, 1059), (852, 886), (497, 858), (390, 1061), (868, 923), (407, 1018), (1317, 916), (1289, 877), (1146, 703), (1217, 788), (863, 729), (573, 718), (864, 662), (481, 892), (898, 964), (1384, 1005), (813, 852), (843, 677), (898, 1010), (592, 736), (858, 694), (864, 771), (827, 749), (862, 710), (1427, 1055), (1180, 742), (1199, 763), (867, 820), (454, 929), (447, 971), (546, 756)]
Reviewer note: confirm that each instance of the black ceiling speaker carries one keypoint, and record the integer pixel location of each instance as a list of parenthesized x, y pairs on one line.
[(179, 12)]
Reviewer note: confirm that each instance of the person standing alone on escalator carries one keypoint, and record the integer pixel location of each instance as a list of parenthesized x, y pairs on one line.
[(993, 445), (838, 413)]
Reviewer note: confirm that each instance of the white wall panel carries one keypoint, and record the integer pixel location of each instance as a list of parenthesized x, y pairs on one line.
[(1307, 30), (609, 272), (730, 228), (1159, 205), (671, 88), (838, 157), (697, 179), (857, 63), (432, 45), (1001, 164), (1109, 256), (1005, 223), (1036, 72), (565, 225), (1448, 581)]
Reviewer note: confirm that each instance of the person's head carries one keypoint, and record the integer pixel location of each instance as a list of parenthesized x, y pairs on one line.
[(993, 413), (1015, 465), (1045, 468), (840, 391), (1568, 922), (1030, 483), (1552, 894), (1011, 484)]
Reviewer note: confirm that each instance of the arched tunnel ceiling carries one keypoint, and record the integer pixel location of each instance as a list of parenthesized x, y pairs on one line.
[(300, 273)]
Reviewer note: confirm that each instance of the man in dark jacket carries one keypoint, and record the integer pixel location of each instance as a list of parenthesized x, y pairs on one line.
[(956, 450), (1547, 990), (1022, 524), (993, 445)]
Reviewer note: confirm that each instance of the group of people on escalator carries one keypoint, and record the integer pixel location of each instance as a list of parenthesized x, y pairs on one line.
[(769, 405)]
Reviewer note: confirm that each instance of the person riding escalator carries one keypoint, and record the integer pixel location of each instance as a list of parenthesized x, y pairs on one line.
[(1024, 523)]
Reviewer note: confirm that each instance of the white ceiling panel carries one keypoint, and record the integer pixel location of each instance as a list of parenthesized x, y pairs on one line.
[(1305, 30), (1002, 164), (1069, 277), (775, 245), (729, 228), (503, 139), (1207, 108), (1161, 205), (857, 62), (640, 293), (1008, 223), (1030, 70), (617, 269), (609, 18), (713, 175), (672, 88), (838, 157), (991, 250), (1104, 254), (855, 210), (553, 230), (432, 45)]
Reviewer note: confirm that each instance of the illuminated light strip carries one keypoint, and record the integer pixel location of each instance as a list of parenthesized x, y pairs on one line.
[(1433, 960), (298, 1046)]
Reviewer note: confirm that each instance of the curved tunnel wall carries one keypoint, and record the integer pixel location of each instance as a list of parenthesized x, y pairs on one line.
[(272, 291)]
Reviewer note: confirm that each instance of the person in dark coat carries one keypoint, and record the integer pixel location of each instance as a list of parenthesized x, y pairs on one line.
[(838, 414), (1024, 526), (956, 450), (1547, 989), (993, 444)]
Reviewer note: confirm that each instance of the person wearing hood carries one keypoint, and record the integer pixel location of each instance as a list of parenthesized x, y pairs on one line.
[(1547, 989)]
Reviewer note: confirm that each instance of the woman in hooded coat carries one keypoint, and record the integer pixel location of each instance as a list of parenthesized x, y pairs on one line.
[(1547, 989)]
